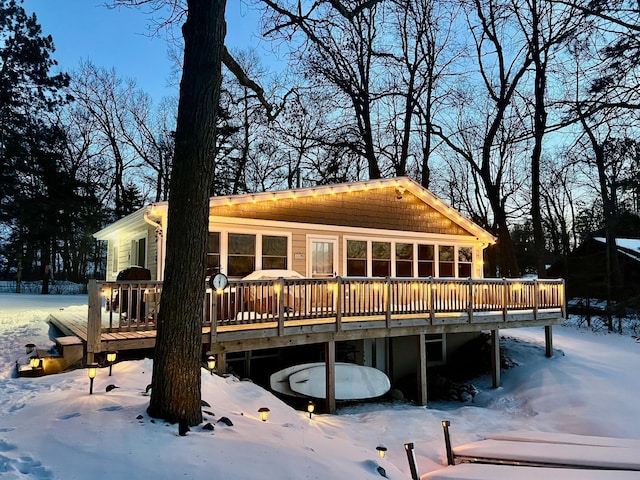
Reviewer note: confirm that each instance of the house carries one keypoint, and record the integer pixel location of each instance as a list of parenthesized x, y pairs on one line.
[(378, 228), (585, 269), (377, 264)]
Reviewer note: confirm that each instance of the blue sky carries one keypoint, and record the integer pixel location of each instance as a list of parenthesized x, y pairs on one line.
[(84, 29)]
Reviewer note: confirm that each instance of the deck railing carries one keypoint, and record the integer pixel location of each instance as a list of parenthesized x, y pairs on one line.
[(134, 305)]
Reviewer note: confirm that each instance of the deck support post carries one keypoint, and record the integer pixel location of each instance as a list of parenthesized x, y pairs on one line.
[(422, 369), (94, 323), (548, 340), (330, 376), (221, 363), (495, 358)]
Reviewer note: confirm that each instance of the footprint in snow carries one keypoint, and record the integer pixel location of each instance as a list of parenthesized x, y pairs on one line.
[(15, 408), (68, 416), (5, 447), (115, 408), (23, 467)]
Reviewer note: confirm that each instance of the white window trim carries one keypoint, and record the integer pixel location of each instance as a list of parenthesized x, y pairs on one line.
[(224, 244), (321, 238), (476, 254)]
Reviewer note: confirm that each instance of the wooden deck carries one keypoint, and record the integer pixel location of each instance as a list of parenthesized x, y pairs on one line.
[(284, 312), (267, 314)]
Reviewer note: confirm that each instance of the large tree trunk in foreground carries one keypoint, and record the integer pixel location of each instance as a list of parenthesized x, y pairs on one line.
[(176, 391)]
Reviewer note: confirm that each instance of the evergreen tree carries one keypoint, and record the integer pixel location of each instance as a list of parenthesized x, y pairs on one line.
[(27, 92)]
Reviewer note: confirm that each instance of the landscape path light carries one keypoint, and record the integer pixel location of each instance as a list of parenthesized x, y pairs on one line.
[(311, 407), (92, 371), (211, 363), (264, 413), (382, 450), (111, 357)]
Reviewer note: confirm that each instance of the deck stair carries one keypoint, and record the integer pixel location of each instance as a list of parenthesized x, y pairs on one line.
[(68, 351)]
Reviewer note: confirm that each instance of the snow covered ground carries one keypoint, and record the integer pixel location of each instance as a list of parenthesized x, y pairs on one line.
[(51, 428)]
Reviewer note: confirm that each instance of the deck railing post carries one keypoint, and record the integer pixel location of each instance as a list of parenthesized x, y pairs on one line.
[(340, 288), (536, 300), (214, 317), (505, 294), (431, 300), (470, 306), (281, 307), (94, 321), (388, 295)]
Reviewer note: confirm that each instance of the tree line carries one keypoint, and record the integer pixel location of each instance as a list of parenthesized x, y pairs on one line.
[(523, 115)]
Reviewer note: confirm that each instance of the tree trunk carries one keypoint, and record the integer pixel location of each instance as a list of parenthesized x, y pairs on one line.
[(539, 127), (176, 390)]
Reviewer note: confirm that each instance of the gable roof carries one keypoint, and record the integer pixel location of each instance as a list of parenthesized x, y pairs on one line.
[(329, 203), (627, 246)]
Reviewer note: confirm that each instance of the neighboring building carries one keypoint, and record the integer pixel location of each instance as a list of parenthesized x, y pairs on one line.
[(585, 269)]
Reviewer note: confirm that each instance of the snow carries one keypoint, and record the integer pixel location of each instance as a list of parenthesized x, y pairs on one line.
[(51, 428), (631, 246)]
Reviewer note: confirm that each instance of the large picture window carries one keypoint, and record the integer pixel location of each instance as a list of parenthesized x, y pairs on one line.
[(404, 260), (242, 254), (381, 259), (425, 261), (465, 260), (446, 261), (356, 258), (212, 262), (274, 252)]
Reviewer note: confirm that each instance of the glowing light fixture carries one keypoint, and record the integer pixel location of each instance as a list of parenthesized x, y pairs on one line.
[(34, 362), (382, 450), (111, 357), (92, 371), (311, 407), (211, 363), (264, 413)]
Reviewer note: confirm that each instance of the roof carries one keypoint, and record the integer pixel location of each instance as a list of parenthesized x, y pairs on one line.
[(627, 246), (401, 184)]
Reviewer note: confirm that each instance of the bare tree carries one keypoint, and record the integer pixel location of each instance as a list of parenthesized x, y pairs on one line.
[(487, 137)]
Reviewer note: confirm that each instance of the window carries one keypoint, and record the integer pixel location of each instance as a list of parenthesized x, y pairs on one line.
[(381, 259), (114, 258), (404, 260), (446, 261), (465, 260), (274, 252), (138, 254), (435, 349), (425, 261), (357, 258), (212, 262), (322, 257), (242, 254)]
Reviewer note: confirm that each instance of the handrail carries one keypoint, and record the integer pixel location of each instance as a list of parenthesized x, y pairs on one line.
[(133, 305)]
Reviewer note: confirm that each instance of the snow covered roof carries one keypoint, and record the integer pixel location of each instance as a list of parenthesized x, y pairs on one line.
[(627, 246)]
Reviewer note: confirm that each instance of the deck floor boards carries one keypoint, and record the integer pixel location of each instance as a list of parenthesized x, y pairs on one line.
[(127, 338)]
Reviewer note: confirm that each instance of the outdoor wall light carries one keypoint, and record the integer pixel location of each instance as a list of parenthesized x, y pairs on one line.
[(264, 413), (92, 371), (382, 450), (111, 357), (211, 363), (311, 407)]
